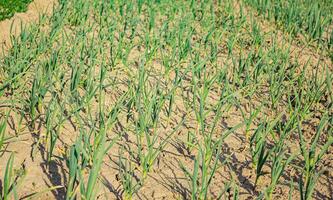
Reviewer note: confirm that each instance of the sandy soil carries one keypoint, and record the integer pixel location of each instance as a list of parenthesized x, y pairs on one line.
[(13, 24), (167, 181)]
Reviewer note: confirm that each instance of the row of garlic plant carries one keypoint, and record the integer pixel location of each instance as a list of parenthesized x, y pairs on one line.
[(73, 68)]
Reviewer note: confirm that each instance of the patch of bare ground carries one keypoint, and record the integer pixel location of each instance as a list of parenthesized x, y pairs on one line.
[(12, 27)]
